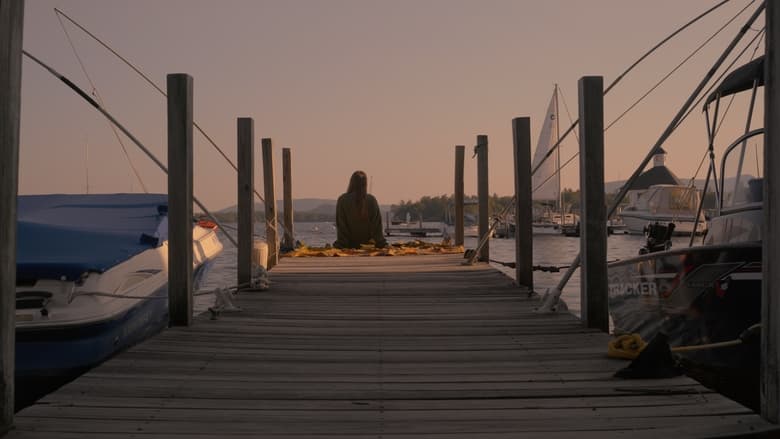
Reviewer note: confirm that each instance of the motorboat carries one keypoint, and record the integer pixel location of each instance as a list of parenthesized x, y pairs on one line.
[(92, 279), (658, 196), (709, 293)]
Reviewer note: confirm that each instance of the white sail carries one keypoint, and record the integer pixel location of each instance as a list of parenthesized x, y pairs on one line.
[(549, 190)]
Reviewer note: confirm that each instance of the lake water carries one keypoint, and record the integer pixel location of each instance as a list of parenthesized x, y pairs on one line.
[(549, 250)]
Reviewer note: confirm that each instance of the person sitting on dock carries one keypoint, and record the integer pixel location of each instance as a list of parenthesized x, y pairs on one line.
[(358, 220)]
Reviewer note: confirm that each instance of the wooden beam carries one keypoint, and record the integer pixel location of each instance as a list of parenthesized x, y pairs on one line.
[(271, 226), (770, 302), (246, 197), (289, 231), (460, 154), (593, 214), (180, 199), (524, 274), (483, 194), (11, 26)]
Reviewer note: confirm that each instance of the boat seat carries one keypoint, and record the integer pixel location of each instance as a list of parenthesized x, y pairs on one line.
[(32, 299), (755, 190)]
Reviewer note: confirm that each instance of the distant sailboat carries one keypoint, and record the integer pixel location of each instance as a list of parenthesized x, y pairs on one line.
[(546, 181)]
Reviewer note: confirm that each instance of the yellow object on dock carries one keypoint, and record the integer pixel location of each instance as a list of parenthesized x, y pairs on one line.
[(626, 346), (397, 249)]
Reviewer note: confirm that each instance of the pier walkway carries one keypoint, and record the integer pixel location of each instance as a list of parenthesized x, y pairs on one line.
[(373, 347)]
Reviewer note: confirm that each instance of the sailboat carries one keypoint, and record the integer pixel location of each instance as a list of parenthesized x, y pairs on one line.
[(546, 181)]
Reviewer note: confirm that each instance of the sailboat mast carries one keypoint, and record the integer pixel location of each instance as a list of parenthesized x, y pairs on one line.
[(558, 155)]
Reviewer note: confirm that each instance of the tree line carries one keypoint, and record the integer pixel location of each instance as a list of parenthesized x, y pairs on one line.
[(428, 208)]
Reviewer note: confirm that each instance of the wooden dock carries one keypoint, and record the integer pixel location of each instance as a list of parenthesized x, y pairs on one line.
[(372, 347)]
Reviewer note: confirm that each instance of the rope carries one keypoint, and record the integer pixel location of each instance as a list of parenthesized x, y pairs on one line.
[(549, 153), (566, 107), (630, 346), (629, 69), (100, 100), (545, 268), (667, 76), (160, 90), (677, 67), (552, 299), (124, 130), (129, 296)]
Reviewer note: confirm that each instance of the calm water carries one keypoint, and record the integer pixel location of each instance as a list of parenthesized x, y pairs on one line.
[(549, 250)]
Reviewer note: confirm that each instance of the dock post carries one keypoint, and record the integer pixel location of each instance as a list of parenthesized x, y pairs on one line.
[(246, 200), (593, 214), (770, 303), (483, 194), (521, 131), (180, 199), (460, 154), (271, 223), (289, 238), (11, 25)]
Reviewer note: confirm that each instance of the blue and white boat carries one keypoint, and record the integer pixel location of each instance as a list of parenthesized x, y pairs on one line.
[(92, 278)]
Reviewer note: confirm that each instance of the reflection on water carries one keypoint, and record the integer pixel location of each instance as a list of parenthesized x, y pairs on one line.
[(549, 250)]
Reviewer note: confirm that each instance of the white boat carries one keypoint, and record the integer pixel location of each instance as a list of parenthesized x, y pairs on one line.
[(658, 197), (92, 278)]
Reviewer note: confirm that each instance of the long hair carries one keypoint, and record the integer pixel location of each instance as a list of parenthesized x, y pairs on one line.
[(358, 185)]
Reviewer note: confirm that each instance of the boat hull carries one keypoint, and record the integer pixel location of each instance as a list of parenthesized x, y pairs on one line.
[(696, 295), (635, 223), (62, 350)]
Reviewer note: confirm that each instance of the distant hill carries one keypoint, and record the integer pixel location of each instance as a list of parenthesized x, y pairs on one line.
[(305, 209), (300, 204)]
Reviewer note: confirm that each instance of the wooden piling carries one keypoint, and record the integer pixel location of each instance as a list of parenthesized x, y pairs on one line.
[(460, 154), (271, 223), (245, 195), (289, 238), (180, 199), (483, 194), (11, 26), (770, 303), (593, 215), (521, 131)]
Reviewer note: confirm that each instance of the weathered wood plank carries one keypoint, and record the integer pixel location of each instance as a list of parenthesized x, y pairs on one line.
[(180, 187), (11, 25)]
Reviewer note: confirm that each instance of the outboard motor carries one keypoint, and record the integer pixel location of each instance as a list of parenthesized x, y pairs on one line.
[(659, 237)]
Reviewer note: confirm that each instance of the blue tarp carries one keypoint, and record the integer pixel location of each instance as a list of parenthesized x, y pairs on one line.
[(67, 235)]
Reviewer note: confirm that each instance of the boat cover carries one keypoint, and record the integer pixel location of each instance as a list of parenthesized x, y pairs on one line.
[(739, 80), (67, 235)]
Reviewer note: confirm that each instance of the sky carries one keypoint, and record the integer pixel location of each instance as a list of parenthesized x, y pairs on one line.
[(387, 87)]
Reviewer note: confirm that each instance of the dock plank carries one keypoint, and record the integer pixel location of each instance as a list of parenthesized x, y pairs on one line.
[(371, 347)]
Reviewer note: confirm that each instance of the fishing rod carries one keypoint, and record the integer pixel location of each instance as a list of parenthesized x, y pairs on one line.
[(552, 296), (484, 239), (155, 86), (124, 130)]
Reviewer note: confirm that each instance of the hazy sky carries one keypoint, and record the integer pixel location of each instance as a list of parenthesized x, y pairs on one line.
[(389, 87)]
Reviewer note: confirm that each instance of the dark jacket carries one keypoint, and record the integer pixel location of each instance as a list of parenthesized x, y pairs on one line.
[(352, 229)]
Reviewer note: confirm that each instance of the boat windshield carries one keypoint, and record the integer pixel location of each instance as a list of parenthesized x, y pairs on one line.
[(683, 199), (742, 173)]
